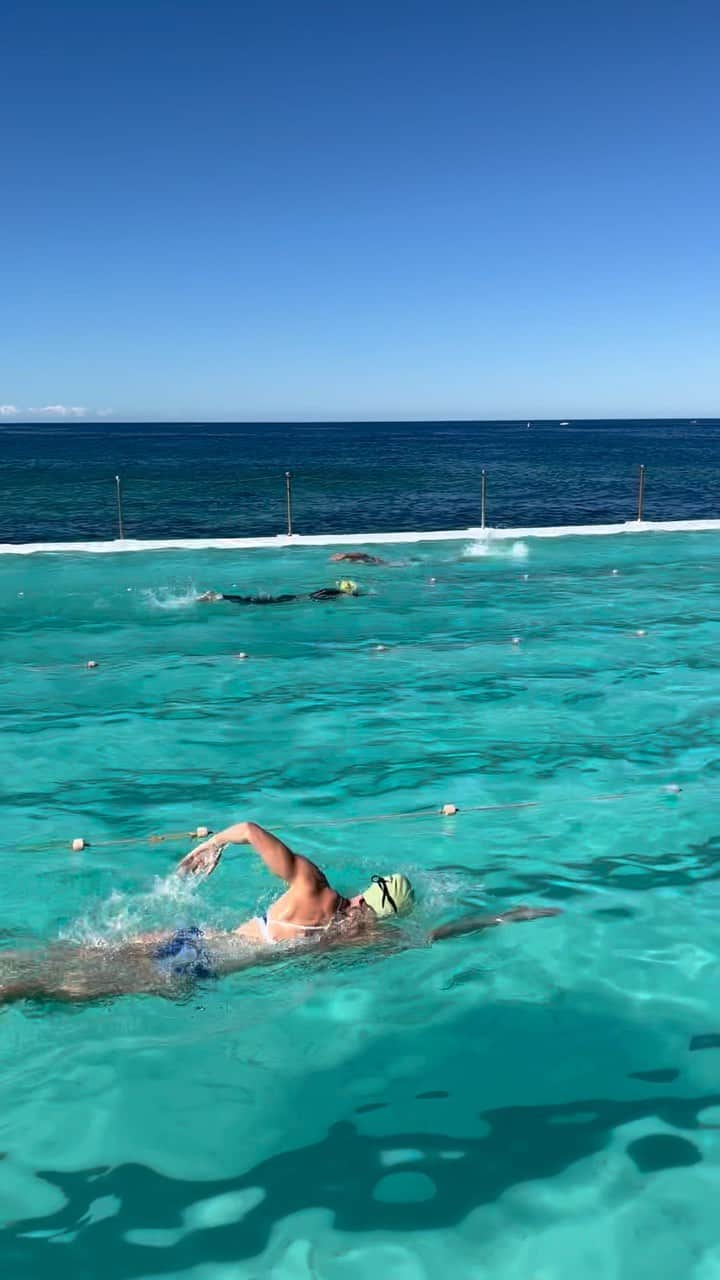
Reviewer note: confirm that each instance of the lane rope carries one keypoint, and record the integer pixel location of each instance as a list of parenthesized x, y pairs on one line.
[(447, 810)]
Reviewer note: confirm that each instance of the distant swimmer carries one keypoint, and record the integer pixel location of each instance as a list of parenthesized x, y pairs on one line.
[(357, 557), (346, 587), (309, 917)]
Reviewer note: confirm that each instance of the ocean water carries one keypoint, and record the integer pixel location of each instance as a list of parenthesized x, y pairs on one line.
[(538, 1101), (57, 481)]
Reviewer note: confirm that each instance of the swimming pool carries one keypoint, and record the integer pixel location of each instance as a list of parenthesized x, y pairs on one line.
[(533, 1102)]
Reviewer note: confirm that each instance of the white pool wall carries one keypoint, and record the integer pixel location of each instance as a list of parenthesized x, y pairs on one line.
[(358, 539)]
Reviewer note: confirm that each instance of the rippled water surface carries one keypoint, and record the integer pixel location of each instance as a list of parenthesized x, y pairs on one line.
[(539, 1101)]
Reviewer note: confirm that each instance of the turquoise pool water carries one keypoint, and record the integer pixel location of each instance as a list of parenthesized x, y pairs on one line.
[(540, 1101)]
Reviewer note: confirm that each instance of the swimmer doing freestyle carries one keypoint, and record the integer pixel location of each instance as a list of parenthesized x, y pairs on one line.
[(346, 587), (309, 917), (356, 557)]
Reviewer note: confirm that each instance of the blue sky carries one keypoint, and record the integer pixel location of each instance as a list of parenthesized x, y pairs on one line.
[(300, 210)]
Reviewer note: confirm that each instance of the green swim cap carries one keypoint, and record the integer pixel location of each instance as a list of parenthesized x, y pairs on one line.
[(389, 895), (348, 586)]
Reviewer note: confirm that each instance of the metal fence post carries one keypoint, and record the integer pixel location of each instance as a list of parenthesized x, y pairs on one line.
[(641, 491), (483, 492), (121, 531), (288, 499)]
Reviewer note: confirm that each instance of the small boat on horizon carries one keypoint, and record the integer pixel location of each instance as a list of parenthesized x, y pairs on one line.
[(564, 424)]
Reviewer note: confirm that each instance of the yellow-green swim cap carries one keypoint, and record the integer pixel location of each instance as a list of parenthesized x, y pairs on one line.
[(389, 895), (348, 586)]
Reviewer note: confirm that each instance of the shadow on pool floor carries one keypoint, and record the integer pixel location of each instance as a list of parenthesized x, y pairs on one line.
[(341, 1173)]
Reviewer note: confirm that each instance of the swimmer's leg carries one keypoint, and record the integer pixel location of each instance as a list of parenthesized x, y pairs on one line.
[(40, 988), (81, 975)]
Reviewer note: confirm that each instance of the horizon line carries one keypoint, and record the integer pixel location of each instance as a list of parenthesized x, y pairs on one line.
[(336, 422)]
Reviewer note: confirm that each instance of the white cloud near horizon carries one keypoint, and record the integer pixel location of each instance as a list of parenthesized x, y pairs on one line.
[(62, 410), (55, 410)]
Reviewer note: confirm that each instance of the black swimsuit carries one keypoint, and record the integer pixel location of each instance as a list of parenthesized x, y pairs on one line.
[(259, 599), (325, 593)]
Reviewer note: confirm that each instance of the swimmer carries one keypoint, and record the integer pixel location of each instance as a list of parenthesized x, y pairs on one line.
[(356, 557), (346, 587), (309, 917)]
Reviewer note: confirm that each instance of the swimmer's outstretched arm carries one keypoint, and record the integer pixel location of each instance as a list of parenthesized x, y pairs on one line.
[(278, 858), (385, 940), (474, 924)]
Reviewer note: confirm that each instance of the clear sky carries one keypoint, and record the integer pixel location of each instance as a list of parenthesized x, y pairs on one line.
[(295, 209)]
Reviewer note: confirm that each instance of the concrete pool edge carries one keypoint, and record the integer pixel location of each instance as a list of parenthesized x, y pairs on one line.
[(283, 540)]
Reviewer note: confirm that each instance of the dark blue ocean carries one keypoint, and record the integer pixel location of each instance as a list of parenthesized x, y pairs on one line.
[(57, 481)]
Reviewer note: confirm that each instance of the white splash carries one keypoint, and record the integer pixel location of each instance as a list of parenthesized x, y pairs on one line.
[(499, 550), (171, 597), (123, 916)]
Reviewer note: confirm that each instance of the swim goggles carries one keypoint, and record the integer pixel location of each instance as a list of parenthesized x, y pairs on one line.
[(382, 884)]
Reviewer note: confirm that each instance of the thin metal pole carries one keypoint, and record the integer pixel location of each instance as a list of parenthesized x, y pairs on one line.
[(483, 491), (288, 499), (641, 491), (119, 507)]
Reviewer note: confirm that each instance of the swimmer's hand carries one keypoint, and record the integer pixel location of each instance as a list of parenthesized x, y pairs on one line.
[(202, 860)]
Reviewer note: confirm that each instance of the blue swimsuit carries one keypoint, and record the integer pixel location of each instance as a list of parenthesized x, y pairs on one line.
[(184, 955)]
